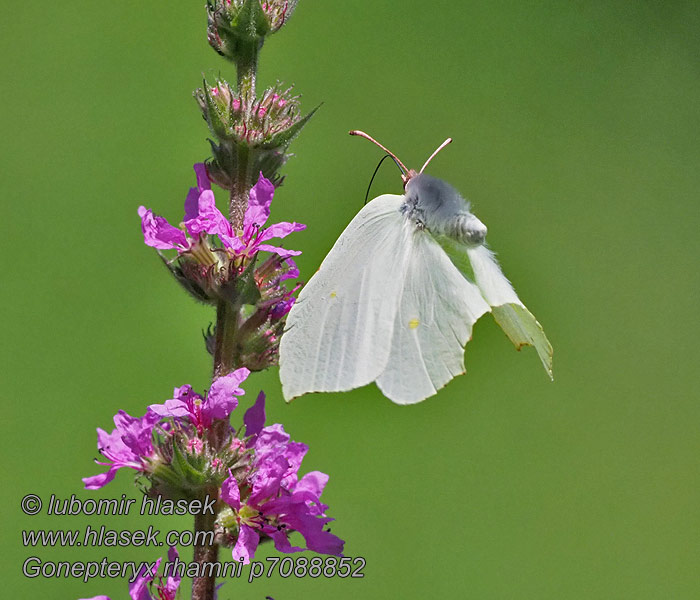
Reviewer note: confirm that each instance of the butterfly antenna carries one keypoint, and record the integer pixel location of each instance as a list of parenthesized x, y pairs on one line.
[(369, 187), (434, 154), (405, 175)]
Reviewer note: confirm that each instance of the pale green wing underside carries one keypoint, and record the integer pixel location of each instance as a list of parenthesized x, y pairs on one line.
[(518, 323)]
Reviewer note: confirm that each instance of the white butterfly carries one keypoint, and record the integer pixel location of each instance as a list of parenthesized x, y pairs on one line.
[(395, 299)]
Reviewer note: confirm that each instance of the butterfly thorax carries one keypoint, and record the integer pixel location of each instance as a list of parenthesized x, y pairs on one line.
[(435, 205)]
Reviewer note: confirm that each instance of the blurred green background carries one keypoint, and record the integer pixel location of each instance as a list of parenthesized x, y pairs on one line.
[(575, 130)]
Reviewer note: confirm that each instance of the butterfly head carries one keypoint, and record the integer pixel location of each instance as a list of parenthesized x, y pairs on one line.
[(406, 174)]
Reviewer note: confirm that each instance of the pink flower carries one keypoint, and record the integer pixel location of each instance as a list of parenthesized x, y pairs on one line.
[(141, 589), (219, 403), (254, 234), (203, 217), (277, 501), (129, 445)]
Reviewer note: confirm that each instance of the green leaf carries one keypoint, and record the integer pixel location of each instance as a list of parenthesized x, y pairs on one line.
[(251, 22), (248, 290), (284, 138), (520, 325), (242, 289), (185, 469), (214, 120)]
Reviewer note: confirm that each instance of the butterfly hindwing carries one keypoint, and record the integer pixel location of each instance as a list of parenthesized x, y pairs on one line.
[(518, 323), (433, 323)]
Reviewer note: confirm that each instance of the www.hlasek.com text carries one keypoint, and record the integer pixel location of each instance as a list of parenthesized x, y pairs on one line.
[(112, 538)]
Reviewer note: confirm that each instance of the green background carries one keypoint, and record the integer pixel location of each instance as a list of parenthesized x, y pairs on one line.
[(575, 129)]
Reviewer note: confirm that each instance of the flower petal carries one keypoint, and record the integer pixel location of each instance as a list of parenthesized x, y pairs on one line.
[(258, 210), (279, 537), (173, 581), (280, 230), (170, 408), (283, 252), (297, 515), (221, 398), (292, 271), (282, 308), (200, 170), (233, 243), (313, 482), (97, 481), (192, 200), (230, 492), (268, 479), (254, 418), (246, 544), (209, 219), (158, 233), (136, 432), (138, 590)]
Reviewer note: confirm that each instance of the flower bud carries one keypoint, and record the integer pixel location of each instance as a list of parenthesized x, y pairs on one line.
[(262, 128), (235, 25), (188, 465)]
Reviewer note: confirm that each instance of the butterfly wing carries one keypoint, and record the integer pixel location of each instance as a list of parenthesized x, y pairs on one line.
[(339, 331), (518, 323), (433, 323)]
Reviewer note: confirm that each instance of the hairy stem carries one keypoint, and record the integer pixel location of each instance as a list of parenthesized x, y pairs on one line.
[(246, 68), (242, 182), (203, 587), (225, 354)]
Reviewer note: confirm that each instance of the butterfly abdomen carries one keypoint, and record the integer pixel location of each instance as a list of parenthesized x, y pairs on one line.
[(465, 228)]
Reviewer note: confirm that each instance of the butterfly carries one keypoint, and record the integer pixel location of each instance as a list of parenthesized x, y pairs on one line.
[(395, 299)]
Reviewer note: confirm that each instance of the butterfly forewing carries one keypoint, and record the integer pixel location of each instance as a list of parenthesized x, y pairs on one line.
[(339, 332)]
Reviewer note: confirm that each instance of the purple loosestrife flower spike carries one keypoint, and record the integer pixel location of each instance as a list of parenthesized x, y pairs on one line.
[(217, 264)]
